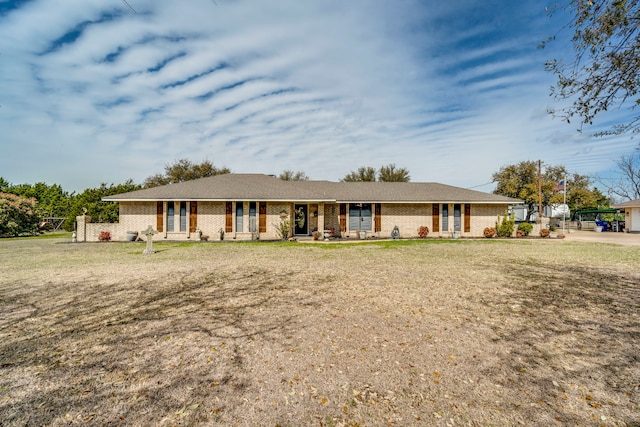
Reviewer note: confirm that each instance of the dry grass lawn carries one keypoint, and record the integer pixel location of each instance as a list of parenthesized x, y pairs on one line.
[(429, 333)]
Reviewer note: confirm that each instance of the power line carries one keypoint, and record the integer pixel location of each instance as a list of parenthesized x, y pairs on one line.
[(129, 6), (481, 185)]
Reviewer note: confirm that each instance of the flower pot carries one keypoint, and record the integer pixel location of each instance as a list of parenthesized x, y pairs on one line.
[(132, 236)]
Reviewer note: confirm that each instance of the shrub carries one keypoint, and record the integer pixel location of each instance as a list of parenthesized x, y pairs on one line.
[(423, 231), (561, 236), (104, 236), (505, 227), (520, 233), (545, 232), (316, 235), (17, 215), (525, 227), (283, 228), (489, 232)]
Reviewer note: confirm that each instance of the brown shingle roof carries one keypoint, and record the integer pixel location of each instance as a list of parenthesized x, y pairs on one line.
[(261, 187)]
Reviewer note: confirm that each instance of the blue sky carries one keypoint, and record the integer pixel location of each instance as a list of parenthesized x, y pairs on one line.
[(103, 91)]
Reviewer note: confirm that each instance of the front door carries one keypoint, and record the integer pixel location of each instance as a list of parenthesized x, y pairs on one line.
[(300, 220), (360, 217)]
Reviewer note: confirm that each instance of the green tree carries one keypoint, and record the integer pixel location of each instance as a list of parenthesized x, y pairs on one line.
[(363, 174), (91, 201), (391, 173), (520, 181), (52, 200), (289, 175), (17, 215), (581, 195), (605, 73), (184, 170), (4, 184)]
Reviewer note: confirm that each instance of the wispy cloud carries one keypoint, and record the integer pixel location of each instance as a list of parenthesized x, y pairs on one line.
[(101, 94)]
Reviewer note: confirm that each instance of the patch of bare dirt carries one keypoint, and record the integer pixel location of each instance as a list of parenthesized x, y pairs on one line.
[(432, 333)]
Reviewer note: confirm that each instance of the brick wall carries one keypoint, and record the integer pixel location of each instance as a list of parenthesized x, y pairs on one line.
[(332, 216), (410, 216), (211, 218), (87, 231), (137, 216)]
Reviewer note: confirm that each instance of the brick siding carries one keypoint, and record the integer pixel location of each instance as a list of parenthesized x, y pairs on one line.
[(137, 216)]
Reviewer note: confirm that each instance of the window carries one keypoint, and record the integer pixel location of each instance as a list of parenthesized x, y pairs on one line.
[(456, 217), (170, 214), (183, 216), (445, 217), (239, 214), (252, 217)]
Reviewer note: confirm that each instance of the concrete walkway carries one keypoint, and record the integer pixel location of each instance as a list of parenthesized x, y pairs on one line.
[(627, 239)]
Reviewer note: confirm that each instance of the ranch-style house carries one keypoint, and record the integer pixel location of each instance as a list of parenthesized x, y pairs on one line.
[(251, 206)]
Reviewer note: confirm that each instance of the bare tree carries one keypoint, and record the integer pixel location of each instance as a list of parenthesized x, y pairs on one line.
[(388, 173), (626, 185), (605, 73), (391, 173), (363, 174)]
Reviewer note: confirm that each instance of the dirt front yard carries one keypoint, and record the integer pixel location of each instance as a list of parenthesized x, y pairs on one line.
[(464, 333)]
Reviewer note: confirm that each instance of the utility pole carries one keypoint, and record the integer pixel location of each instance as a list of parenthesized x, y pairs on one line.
[(540, 192), (564, 208)]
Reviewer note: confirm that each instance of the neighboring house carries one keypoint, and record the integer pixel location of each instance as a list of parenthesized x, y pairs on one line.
[(631, 214), (249, 206)]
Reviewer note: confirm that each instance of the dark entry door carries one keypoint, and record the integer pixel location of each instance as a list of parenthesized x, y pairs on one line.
[(300, 220)]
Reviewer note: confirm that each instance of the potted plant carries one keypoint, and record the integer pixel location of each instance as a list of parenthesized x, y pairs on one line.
[(489, 232)]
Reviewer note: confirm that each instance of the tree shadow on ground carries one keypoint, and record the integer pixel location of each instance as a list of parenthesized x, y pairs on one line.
[(574, 339), (149, 351)]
